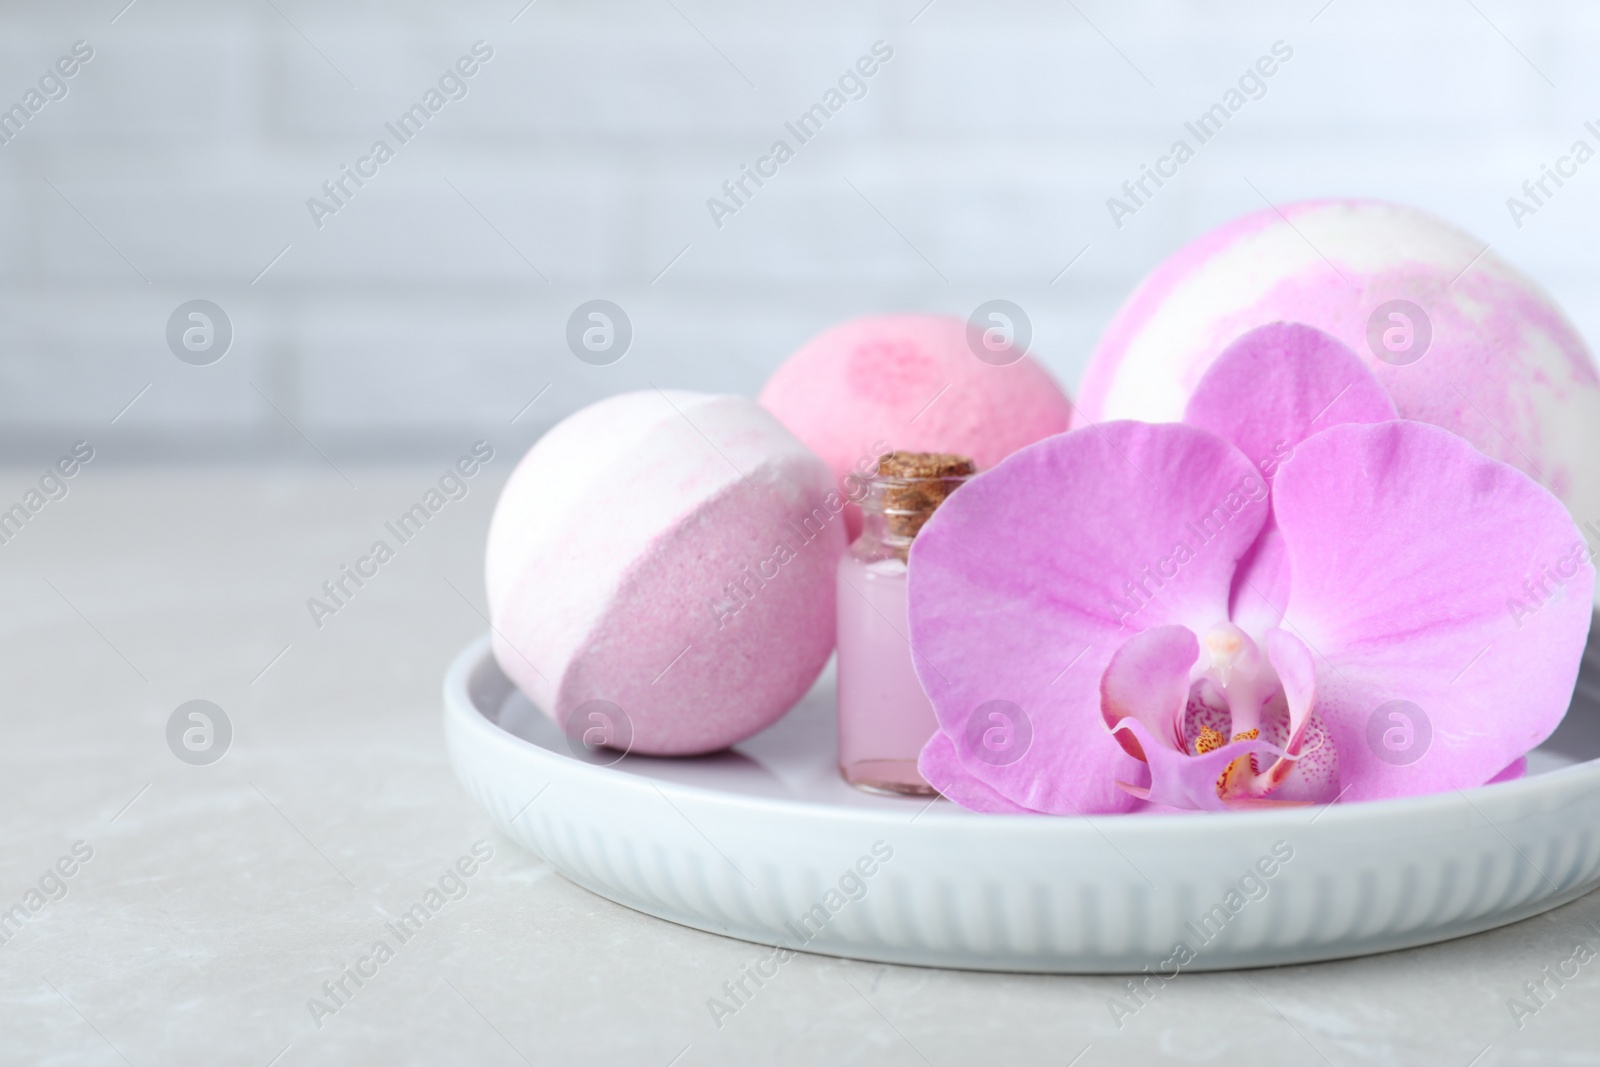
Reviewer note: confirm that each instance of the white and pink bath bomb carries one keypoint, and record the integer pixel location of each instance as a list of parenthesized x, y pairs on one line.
[(910, 383), (1489, 357), (671, 553)]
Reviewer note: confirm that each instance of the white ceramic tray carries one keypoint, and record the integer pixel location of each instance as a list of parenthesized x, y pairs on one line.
[(765, 843)]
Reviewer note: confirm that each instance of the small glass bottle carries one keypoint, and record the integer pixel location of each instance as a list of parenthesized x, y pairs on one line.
[(884, 716)]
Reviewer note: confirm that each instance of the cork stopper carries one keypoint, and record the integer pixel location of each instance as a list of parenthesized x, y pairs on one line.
[(913, 484)]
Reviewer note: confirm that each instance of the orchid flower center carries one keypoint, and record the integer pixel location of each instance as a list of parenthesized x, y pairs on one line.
[(1239, 673), (1232, 692)]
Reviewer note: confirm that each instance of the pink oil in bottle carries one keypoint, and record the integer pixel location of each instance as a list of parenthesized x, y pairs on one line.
[(884, 716)]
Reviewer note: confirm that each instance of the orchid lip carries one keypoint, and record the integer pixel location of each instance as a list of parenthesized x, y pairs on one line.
[(1212, 719)]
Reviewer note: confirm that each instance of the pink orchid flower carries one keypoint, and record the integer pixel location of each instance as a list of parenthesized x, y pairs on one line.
[(1291, 597)]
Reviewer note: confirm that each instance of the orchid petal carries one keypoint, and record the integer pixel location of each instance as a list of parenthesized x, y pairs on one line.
[(1517, 769), (1182, 780), (1268, 391), (1148, 679), (1261, 584), (940, 769), (1029, 577), (1279, 384), (1298, 675), (1423, 571)]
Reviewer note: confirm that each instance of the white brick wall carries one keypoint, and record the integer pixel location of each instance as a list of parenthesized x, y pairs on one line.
[(593, 138)]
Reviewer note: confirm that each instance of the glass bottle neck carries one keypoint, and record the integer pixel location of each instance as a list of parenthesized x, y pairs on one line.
[(894, 509)]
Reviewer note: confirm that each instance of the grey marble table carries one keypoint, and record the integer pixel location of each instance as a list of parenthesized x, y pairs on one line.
[(220, 903)]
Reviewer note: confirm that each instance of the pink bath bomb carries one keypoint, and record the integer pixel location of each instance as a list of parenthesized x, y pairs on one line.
[(1457, 336), (909, 382), (671, 554)]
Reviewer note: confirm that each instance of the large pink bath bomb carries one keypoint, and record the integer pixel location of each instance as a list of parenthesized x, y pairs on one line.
[(670, 555), (1457, 336), (913, 383)]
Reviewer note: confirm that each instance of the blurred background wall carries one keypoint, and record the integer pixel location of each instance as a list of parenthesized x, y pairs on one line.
[(431, 307)]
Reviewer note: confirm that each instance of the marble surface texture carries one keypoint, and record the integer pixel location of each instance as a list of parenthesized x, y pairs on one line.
[(219, 899)]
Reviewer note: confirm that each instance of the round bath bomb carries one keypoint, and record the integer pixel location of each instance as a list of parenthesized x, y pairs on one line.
[(671, 555), (909, 383), (1457, 336)]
